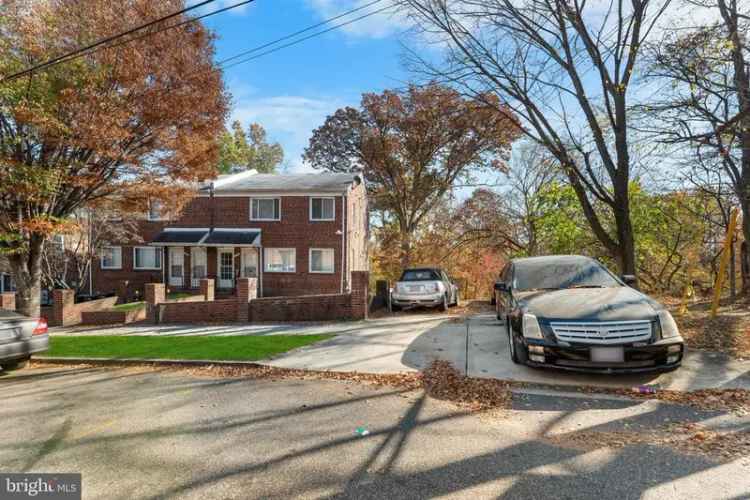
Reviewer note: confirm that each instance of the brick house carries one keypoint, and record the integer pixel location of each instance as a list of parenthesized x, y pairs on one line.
[(298, 234)]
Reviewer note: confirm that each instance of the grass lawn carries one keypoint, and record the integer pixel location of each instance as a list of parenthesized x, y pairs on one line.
[(130, 306), (245, 348), (178, 295)]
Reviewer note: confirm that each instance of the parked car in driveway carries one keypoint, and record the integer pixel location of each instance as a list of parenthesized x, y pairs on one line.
[(20, 337), (570, 312), (426, 287)]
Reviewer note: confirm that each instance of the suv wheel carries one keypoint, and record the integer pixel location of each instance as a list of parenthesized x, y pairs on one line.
[(14, 365), (444, 304)]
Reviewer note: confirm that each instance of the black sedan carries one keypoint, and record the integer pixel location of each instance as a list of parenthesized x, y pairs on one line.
[(569, 312)]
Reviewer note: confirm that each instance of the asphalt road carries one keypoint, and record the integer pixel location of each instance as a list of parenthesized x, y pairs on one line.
[(155, 434)]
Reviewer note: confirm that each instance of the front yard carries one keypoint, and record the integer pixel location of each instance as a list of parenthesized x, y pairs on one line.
[(235, 348)]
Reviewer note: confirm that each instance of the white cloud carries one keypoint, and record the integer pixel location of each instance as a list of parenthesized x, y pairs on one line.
[(290, 120), (380, 25)]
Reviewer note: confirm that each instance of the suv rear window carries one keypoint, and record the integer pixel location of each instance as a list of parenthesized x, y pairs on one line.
[(420, 275)]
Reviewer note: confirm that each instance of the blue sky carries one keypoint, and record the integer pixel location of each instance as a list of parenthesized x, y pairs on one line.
[(290, 92)]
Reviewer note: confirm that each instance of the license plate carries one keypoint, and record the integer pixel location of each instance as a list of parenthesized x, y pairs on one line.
[(607, 354), (413, 288)]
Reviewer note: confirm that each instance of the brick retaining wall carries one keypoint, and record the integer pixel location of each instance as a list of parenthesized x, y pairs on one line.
[(112, 317), (198, 312)]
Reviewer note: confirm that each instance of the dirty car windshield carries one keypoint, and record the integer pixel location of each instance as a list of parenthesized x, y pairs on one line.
[(562, 274), (420, 275)]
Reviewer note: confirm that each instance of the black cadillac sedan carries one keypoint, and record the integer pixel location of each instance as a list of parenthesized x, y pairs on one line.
[(569, 312)]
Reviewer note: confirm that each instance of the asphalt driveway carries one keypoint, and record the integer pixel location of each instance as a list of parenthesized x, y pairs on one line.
[(476, 345), (139, 433)]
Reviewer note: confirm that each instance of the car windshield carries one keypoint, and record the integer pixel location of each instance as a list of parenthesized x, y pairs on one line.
[(554, 274), (420, 275)]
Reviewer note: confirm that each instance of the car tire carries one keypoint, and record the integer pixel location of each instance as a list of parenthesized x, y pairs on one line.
[(518, 354), (493, 301), (395, 308), (444, 304), (455, 302), (14, 365)]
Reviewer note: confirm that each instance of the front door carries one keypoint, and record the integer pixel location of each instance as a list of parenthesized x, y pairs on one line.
[(176, 266), (226, 267)]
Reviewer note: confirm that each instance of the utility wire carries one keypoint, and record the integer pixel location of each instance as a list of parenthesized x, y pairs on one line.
[(299, 40), (304, 30), (101, 42)]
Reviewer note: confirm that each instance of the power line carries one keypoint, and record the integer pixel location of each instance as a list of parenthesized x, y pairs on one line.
[(101, 42), (304, 30), (299, 40)]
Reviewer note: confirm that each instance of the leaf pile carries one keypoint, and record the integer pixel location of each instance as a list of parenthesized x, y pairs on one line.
[(735, 400), (442, 381), (691, 438), (728, 332)]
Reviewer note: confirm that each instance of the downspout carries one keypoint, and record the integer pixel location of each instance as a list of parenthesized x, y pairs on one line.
[(91, 255), (343, 239)]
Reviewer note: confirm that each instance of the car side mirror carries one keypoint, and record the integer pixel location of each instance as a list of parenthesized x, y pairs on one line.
[(629, 279), (501, 286)]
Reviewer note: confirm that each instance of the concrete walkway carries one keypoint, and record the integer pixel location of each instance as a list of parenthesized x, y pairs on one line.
[(476, 346)]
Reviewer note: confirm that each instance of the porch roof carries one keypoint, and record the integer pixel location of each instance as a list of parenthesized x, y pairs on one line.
[(233, 238), (205, 237), (172, 236)]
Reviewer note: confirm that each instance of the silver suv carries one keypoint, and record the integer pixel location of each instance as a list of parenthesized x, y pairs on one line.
[(426, 287)]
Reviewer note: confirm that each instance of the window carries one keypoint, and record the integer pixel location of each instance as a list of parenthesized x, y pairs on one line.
[(6, 283), (322, 208), (321, 260), (146, 258), (111, 258), (280, 260), (265, 209), (155, 208)]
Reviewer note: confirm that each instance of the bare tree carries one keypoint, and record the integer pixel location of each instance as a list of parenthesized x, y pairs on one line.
[(566, 68), (706, 106)]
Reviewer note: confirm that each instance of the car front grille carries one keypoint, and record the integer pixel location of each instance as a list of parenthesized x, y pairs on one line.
[(610, 332)]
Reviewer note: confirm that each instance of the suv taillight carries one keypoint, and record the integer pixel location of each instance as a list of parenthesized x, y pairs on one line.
[(41, 327)]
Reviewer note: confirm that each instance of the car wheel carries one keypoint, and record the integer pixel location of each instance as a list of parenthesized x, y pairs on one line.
[(455, 301), (14, 365), (518, 354), (395, 308), (511, 343), (493, 301), (444, 304)]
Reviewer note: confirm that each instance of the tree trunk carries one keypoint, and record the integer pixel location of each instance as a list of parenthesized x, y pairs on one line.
[(744, 254), (626, 248), (27, 271), (405, 249)]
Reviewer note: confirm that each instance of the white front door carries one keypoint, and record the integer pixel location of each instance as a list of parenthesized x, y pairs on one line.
[(198, 265), (226, 267), (176, 266)]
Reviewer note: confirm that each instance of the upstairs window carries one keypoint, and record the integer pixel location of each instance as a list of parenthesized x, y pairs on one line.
[(265, 209), (146, 258), (111, 258), (322, 208), (155, 210)]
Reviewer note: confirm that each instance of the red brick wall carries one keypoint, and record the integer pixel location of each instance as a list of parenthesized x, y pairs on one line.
[(302, 308), (112, 317), (294, 230), (67, 313), (220, 311), (114, 280)]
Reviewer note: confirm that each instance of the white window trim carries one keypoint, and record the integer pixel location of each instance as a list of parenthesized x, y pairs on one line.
[(160, 217), (264, 198), (101, 261), (266, 261), (322, 198), (161, 260), (309, 261)]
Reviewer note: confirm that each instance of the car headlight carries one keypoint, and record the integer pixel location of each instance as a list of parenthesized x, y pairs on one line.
[(668, 326), (530, 327)]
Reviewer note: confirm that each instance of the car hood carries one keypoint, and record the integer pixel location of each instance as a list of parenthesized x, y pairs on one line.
[(590, 304)]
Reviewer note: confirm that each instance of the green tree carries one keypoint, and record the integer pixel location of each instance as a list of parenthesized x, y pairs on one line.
[(249, 150)]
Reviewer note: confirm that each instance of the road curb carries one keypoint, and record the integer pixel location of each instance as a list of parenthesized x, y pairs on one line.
[(138, 361)]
